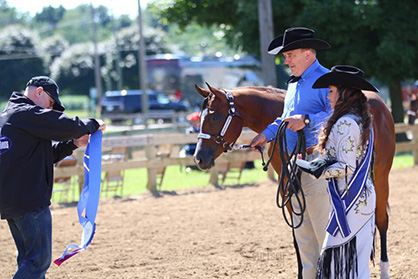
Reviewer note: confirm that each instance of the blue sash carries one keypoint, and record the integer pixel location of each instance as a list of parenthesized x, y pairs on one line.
[(342, 203), (89, 197)]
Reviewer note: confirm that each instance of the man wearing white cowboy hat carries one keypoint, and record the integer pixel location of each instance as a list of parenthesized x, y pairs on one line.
[(305, 108)]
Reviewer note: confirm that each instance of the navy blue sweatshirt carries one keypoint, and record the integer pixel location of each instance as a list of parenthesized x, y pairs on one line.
[(27, 154)]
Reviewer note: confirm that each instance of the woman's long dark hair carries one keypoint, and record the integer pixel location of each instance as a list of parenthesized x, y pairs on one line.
[(351, 100)]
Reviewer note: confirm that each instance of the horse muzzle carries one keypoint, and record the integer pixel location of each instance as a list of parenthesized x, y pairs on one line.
[(203, 162)]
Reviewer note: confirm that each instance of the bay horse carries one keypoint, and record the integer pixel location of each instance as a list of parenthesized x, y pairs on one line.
[(257, 107)]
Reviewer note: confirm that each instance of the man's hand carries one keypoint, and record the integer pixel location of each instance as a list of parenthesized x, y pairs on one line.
[(82, 141), (102, 125), (296, 122), (259, 140)]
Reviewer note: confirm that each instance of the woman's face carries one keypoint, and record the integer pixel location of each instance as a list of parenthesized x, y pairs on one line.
[(333, 95)]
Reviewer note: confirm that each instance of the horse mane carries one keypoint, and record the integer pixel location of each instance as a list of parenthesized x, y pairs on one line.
[(268, 89)]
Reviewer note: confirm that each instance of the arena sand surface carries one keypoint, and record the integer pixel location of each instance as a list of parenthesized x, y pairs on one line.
[(206, 233)]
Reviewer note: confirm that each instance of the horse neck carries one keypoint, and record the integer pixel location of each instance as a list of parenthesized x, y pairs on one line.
[(258, 110)]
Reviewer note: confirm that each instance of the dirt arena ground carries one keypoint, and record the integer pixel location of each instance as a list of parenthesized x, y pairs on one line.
[(206, 233)]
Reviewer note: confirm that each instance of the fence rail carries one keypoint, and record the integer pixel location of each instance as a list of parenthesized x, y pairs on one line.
[(151, 161)]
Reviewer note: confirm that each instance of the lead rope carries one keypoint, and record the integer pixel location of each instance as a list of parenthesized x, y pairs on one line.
[(291, 189)]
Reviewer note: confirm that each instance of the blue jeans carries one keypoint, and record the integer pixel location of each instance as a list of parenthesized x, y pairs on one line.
[(32, 234)]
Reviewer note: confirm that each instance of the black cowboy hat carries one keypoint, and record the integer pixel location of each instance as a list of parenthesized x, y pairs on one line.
[(294, 38), (346, 76)]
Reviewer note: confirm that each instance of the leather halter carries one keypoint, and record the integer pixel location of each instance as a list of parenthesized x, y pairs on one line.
[(219, 138)]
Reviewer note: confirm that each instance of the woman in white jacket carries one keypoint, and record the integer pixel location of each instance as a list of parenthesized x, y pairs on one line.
[(346, 144)]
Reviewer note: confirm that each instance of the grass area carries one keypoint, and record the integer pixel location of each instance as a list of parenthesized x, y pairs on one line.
[(177, 178), (80, 113), (403, 160)]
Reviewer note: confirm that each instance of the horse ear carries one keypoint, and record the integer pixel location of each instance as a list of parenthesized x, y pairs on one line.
[(218, 93), (201, 91)]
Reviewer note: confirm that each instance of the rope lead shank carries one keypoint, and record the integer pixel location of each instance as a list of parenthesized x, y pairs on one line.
[(289, 183)]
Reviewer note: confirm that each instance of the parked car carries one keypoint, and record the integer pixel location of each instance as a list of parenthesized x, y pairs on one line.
[(130, 101)]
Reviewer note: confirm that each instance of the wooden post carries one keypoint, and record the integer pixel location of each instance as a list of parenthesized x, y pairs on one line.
[(79, 155), (97, 75), (142, 67), (271, 173), (150, 153), (415, 142), (214, 176), (265, 21)]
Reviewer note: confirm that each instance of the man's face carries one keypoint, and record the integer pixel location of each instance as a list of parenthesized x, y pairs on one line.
[(297, 60), (44, 100)]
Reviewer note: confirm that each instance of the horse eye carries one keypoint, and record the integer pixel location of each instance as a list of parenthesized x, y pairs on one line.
[(214, 115)]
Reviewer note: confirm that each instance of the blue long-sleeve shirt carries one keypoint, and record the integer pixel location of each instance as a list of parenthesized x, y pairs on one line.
[(301, 98)]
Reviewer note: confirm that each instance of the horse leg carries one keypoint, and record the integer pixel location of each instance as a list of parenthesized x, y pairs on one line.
[(382, 218)]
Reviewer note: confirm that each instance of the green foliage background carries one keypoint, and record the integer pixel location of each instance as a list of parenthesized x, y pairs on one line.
[(58, 42), (379, 36)]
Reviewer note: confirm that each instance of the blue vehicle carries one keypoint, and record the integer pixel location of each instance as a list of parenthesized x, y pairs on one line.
[(126, 104), (130, 101)]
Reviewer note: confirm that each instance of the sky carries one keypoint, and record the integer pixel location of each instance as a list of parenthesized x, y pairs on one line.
[(119, 7)]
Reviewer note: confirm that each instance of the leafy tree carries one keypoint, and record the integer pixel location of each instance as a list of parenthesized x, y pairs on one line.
[(127, 41), (19, 59), (237, 19), (53, 47), (9, 15), (378, 36), (199, 41), (76, 24), (74, 69), (48, 18), (122, 22)]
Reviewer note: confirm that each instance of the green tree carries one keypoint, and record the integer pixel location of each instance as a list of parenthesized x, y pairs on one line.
[(74, 69), (76, 24), (48, 18), (9, 15), (19, 58), (378, 36), (198, 40), (237, 20), (53, 47), (127, 41)]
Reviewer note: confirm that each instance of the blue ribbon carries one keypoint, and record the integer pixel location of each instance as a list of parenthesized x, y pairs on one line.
[(342, 203), (89, 197)]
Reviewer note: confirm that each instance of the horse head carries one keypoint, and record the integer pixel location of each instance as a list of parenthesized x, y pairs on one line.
[(220, 125)]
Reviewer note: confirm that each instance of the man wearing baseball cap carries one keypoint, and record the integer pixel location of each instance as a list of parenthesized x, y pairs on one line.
[(28, 125), (50, 87)]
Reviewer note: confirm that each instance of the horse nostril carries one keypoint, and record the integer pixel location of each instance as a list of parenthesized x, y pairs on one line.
[(197, 159)]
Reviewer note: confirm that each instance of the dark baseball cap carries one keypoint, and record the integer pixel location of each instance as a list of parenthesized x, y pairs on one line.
[(50, 86)]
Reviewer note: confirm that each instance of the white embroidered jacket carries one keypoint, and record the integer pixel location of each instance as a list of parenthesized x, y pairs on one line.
[(344, 145)]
